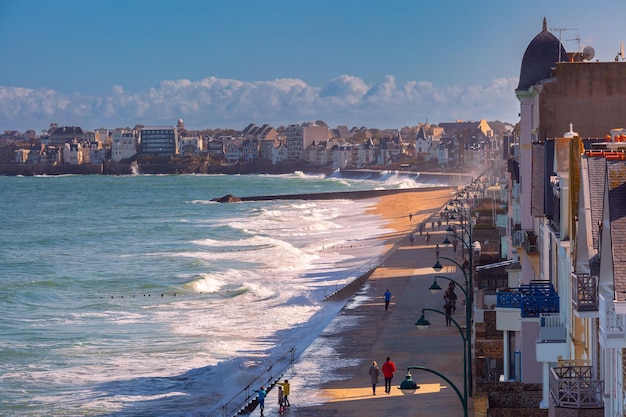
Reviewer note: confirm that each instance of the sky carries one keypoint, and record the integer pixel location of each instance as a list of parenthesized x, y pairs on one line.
[(225, 64)]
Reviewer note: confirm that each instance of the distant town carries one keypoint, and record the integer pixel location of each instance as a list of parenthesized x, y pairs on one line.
[(309, 147)]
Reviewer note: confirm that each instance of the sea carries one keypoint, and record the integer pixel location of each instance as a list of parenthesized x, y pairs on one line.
[(138, 295)]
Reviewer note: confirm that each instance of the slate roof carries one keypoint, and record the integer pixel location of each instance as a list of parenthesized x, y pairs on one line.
[(541, 55), (616, 182), (538, 180), (597, 178), (420, 134)]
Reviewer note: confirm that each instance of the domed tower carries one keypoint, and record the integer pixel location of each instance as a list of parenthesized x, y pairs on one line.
[(541, 54)]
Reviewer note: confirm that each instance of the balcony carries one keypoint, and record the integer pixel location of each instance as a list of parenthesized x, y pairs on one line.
[(532, 299), (552, 342), (575, 387), (612, 325), (530, 242), (584, 292)]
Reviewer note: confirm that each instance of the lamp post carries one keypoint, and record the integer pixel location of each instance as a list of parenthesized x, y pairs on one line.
[(469, 300), (422, 324), (408, 386)]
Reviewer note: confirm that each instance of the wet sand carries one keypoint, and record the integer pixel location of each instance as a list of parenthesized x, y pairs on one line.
[(331, 377)]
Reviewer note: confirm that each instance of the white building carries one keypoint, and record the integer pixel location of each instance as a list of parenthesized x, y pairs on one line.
[(123, 145)]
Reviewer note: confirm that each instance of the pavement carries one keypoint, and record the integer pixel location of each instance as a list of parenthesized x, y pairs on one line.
[(407, 272)]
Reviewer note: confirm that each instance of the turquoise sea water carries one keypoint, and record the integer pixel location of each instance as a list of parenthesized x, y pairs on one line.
[(131, 294)]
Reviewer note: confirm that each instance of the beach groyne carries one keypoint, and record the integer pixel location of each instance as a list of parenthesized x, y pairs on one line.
[(337, 195)]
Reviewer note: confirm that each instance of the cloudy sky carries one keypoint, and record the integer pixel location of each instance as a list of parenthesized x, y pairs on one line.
[(218, 63)]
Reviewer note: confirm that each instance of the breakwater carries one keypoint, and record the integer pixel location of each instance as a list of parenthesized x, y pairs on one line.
[(348, 195)]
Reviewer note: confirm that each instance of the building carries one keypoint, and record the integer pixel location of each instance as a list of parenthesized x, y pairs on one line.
[(159, 141), (66, 134), (190, 145), (563, 313), (123, 145), (300, 137)]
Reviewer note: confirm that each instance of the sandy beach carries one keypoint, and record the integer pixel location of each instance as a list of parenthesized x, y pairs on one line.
[(395, 208), (331, 376)]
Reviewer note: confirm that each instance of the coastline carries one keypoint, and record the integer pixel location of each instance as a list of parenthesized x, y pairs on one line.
[(330, 376)]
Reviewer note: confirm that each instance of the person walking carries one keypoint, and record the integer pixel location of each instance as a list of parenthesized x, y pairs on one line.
[(389, 368), (450, 296), (448, 309), (286, 390), (387, 299), (427, 239), (412, 238), (437, 250), (374, 372)]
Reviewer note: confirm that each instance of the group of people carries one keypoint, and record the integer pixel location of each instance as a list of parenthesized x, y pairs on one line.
[(283, 396), (388, 370)]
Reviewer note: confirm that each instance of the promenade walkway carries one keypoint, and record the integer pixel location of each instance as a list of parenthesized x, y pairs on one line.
[(407, 272)]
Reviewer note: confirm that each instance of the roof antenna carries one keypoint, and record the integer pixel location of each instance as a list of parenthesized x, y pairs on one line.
[(620, 54), (561, 30)]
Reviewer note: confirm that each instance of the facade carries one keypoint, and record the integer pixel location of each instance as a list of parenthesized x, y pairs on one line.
[(190, 145), (422, 143), (159, 141), (66, 134), (123, 144), (564, 312), (279, 153), (300, 137)]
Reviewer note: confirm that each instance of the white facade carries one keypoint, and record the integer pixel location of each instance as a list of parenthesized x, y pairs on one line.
[(124, 145), (190, 145)]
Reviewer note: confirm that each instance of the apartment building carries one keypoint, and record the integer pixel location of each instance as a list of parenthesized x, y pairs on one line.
[(564, 315), (300, 137), (159, 141)]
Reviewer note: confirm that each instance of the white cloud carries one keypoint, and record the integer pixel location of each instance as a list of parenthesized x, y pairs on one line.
[(216, 102)]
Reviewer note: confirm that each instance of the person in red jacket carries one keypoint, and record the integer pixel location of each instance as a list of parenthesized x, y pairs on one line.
[(389, 368)]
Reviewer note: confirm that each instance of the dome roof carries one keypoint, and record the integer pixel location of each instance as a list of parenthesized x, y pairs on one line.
[(541, 54)]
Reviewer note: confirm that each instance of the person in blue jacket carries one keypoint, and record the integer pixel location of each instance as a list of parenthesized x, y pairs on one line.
[(262, 393), (387, 299)]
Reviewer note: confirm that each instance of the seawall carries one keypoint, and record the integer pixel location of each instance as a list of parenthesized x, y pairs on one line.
[(348, 195)]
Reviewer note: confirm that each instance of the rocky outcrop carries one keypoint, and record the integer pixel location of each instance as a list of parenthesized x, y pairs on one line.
[(228, 198)]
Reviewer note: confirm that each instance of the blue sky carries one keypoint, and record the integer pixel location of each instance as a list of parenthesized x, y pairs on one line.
[(384, 64)]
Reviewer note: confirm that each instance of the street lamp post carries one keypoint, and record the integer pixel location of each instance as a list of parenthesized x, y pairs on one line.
[(422, 323), (469, 300), (408, 386)]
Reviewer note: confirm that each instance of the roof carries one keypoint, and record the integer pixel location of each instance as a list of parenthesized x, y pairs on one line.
[(420, 134), (542, 53), (597, 174), (616, 182)]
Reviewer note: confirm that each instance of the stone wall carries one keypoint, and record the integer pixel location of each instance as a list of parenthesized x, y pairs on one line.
[(513, 399)]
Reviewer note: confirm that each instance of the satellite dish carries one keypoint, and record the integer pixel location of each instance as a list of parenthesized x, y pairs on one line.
[(588, 53)]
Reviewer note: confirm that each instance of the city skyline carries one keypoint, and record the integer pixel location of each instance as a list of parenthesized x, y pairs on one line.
[(225, 65)]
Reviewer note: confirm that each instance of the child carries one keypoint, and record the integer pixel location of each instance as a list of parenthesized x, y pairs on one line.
[(281, 400)]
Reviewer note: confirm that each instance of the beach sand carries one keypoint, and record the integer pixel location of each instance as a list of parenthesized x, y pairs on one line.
[(395, 208), (331, 376)]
